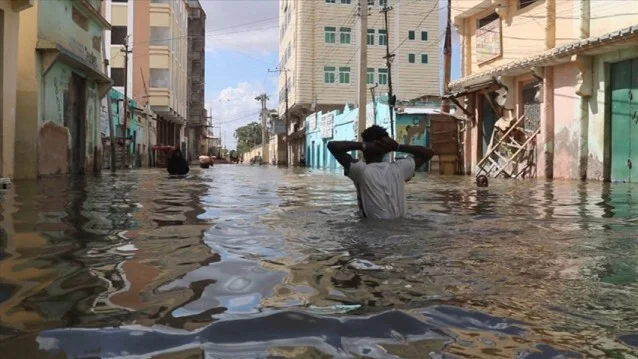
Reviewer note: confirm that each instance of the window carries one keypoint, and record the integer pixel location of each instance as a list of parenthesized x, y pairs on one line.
[(424, 36), (330, 34), (525, 3), (411, 58), (370, 2), (383, 3), (118, 35), (160, 78), (117, 74), (119, 0), (383, 76), (329, 74), (331, 1), (344, 34), (383, 38), (370, 76), (344, 75), (488, 19), (370, 36), (424, 58), (80, 20), (346, 1), (160, 35), (411, 35)]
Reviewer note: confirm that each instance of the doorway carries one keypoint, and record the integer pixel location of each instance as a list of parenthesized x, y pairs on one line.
[(624, 121), (75, 121), (489, 118)]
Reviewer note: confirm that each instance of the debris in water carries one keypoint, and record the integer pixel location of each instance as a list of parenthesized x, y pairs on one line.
[(334, 309)]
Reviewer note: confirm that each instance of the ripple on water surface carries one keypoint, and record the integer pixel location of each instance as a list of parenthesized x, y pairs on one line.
[(242, 261)]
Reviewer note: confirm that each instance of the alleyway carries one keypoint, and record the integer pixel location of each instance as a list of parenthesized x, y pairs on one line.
[(245, 261)]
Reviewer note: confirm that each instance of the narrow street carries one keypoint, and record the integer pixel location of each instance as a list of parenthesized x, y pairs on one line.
[(248, 261)]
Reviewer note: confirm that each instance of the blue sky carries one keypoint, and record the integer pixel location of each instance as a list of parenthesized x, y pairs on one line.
[(241, 45)]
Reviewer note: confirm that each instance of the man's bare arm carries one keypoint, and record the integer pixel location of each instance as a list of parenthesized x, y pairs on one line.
[(421, 154), (340, 150)]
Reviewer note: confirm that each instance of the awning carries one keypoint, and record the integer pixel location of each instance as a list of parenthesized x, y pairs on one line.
[(52, 52), (591, 46)]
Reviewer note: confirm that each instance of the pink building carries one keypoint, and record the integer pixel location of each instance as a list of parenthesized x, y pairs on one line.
[(569, 66)]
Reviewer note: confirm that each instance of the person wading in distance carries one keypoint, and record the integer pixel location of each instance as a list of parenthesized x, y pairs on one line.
[(380, 185)]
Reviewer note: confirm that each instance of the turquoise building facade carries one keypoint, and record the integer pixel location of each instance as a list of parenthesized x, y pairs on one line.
[(411, 126)]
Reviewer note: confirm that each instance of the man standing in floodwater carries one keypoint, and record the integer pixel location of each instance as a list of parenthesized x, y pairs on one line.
[(380, 185), (177, 164)]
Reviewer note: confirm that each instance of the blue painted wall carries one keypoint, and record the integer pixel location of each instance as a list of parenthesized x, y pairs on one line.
[(408, 129), (345, 127)]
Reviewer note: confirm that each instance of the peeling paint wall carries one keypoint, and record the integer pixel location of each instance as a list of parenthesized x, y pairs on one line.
[(566, 122)]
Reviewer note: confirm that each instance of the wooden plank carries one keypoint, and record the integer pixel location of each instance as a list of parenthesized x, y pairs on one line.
[(502, 139), (519, 151)]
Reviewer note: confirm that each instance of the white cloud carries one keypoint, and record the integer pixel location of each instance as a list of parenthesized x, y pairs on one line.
[(244, 25), (233, 107)]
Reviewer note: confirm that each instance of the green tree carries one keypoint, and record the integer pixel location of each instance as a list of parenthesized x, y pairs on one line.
[(248, 137)]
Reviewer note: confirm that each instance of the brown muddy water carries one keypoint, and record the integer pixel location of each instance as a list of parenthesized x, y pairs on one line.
[(255, 262)]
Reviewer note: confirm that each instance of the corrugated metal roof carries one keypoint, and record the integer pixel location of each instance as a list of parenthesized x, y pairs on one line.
[(548, 57)]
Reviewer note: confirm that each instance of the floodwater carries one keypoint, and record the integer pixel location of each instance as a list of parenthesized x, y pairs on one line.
[(255, 262)]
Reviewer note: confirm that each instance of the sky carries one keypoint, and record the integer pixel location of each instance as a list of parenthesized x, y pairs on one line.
[(242, 41)]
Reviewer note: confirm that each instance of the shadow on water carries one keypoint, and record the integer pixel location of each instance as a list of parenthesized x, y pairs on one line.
[(241, 261)]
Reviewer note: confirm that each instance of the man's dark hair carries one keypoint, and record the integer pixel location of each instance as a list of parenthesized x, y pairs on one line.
[(374, 133)]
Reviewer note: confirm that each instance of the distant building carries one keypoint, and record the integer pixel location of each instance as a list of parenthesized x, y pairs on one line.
[(196, 120), (62, 81), (157, 32), (318, 48)]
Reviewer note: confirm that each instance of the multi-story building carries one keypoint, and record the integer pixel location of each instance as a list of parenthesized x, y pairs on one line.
[(319, 56), (196, 120), (157, 36), (570, 67), (9, 23), (62, 81)]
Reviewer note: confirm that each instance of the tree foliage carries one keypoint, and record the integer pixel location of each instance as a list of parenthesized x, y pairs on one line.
[(248, 137)]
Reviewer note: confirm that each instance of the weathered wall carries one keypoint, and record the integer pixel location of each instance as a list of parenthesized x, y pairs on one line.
[(42, 99), (566, 122), (28, 97), (8, 81)]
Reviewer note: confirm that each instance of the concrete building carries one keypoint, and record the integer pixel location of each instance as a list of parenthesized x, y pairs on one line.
[(9, 40), (156, 31), (62, 82), (196, 120), (318, 49), (569, 66)]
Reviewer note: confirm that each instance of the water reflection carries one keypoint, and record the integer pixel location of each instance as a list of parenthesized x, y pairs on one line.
[(233, 260)]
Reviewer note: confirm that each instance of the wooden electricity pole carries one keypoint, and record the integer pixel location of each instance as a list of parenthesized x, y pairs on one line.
[(447, 58), (265, 146), (388, 60), (363, 66)]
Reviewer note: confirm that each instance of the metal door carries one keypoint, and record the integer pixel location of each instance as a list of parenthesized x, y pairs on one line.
[(624, 121)]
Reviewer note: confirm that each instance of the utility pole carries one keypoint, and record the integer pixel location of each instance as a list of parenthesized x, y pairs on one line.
[(126, 51), (109, 112), (374, 101), (388, 60), (263, 98), (286, 122), (363, 66), (447, 57)]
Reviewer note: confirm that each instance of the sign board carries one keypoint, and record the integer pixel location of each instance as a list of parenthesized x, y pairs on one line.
[(327, 122), (312, 124), (369, 118), (488, 41)]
